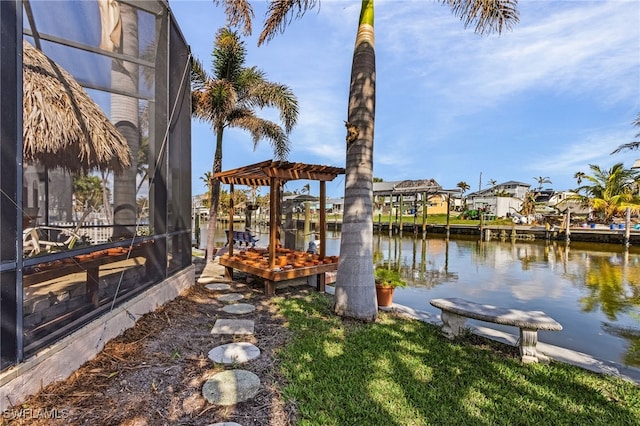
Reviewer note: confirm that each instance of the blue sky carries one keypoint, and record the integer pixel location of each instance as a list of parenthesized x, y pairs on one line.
[(557, 93)]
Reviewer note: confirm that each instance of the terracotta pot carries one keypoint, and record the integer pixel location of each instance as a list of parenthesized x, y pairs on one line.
[(384, 294)]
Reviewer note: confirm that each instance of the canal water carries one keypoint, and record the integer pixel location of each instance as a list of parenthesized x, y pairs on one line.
[(593, 290)]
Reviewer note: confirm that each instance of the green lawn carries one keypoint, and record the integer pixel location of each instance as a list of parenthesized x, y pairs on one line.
[(398, 371)]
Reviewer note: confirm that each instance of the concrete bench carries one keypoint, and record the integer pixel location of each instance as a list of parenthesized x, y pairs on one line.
[(456, 311)]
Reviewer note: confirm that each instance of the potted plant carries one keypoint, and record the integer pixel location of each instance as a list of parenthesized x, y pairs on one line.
[(387, 280)]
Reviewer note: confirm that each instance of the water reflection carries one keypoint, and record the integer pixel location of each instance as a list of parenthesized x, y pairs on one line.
[(593, 290)]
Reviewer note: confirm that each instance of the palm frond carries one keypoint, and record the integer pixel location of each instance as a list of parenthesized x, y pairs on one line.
[(487, 15), (261, 129), (229, 55), (627, 146), (198, 75), (280, 14), (631, 145), (239, 14), (280, 96)]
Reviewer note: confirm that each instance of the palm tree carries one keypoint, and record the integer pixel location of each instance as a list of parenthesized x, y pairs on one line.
[(610, 192), (492, 183), (228, 98), (207, 178), (124, 113), (630, 145), (464, 187), (579, 176), (355, 290), (541, 181)]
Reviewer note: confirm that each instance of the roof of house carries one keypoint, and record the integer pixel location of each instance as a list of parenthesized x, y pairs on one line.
[(406, 186)]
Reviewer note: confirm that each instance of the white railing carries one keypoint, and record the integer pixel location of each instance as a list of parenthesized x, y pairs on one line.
[(96, 232)]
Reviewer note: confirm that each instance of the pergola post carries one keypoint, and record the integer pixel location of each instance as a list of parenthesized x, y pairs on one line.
[(274, 207), (230, 236), (323, 219)]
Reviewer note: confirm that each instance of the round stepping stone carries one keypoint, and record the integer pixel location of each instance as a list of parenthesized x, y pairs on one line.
[(231, 387), (233, 326), (231, 297), (234, 353), (218, 286), (225, 424), (239, 308)]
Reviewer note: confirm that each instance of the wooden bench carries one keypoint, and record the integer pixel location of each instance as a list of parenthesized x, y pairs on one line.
[(455, 312), (241, 237)]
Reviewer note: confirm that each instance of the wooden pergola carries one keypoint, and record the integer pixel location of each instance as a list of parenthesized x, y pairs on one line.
[(273, 174)]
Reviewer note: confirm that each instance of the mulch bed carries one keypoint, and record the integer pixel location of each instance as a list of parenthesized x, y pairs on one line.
[(153, 373)]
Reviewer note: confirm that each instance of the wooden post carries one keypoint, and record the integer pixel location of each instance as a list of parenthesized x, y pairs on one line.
[(448, 213), (401, 213), (424, 215), (323, 223), (273, 224), (627, 227), (307, 223), (568, 231), (230, 236)]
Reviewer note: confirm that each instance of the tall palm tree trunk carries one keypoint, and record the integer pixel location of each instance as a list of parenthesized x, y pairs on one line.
[(355, 286), (215, 197), (124, 113)]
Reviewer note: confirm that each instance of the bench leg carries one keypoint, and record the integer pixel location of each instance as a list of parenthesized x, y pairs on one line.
[(452, 324), (528, 352)]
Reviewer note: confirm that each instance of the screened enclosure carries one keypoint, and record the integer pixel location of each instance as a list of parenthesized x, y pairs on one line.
[(95, 169)]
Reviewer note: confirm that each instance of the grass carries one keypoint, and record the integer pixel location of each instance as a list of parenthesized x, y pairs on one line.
[(398, 371)]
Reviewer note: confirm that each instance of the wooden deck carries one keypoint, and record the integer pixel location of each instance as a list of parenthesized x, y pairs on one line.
[(271, 277)]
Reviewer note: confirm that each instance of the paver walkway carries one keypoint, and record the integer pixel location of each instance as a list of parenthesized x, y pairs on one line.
[(230, 386)]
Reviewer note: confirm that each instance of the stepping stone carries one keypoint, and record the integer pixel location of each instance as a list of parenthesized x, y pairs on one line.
[(231, 297), (207, 280), (234, 353), (232, 326), (239, 308), (225, 424), (218, 286), (231, 387)]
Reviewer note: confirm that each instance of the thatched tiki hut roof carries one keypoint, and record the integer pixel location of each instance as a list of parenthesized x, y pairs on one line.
[(62, 125)]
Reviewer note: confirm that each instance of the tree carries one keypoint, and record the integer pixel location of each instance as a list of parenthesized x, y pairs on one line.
[(464, 187), (229, 98), (630, 145), (355, 289), (492, 183), (125, 115), (541, 181), (88, 195), (207, 178), (609, 192)]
